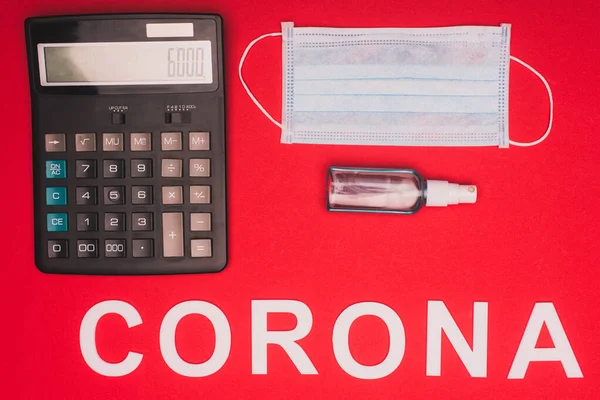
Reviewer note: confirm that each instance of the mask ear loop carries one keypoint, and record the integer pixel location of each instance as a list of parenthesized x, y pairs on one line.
[(260, 107), (545, 135)]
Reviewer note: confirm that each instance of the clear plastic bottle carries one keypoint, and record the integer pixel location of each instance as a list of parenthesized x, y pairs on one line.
[(397, 191)]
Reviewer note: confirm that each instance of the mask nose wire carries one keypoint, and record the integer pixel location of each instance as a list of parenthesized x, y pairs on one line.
[(545, 82), (248, 91)]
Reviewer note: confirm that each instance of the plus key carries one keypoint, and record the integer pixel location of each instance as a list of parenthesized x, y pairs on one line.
[(172, 228)]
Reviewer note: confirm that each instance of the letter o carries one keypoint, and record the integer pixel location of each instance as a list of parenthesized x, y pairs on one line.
[(341, 348)]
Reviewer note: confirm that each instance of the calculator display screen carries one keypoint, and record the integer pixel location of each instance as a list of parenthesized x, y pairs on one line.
[(125, 63)]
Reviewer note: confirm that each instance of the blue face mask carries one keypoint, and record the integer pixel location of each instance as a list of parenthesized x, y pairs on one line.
[(396, 86)]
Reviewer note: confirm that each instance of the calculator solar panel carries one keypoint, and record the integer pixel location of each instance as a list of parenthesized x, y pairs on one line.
[(128, 131)]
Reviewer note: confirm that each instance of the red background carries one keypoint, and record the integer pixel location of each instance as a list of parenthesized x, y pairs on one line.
[(532, 236)]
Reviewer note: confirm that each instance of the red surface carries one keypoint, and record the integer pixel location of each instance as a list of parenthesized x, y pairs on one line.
[(532, 236)]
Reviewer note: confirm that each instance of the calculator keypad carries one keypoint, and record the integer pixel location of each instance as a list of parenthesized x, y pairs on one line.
[(138, 203)]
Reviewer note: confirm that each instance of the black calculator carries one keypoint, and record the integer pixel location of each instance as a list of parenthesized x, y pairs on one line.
[(128, 130)]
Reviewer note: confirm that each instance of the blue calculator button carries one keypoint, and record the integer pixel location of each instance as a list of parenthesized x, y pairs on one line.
[(57, 222), (56, 169), (56, 196)]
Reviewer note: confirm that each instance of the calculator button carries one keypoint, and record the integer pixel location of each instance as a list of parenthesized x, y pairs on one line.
[(141, 142), (114, 222), (114, 168), (200, 222), (112, 142), (200, 167), (56, 169), (85, 142), (85, 169), (141, 195), (57, 222), (141, 168), (86, 195), (117, 118), (55, 142), (172, 195), (114, 195), (142, 221), (172, 225), (56, 196), (58, 248), (87, 222), (201, 248), (142, 248), (87, 248), (170, 141), (114, 248), (200, 194), (171, 168), (199, 141)]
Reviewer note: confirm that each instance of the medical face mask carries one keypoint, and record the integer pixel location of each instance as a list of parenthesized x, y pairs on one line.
[(396, 86)]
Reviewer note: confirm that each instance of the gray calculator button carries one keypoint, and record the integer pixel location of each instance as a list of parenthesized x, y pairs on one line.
[(114, 168), (86, 195), (171, 168), (141, 195), (200, 194), (85, 142), (172, 195), (114, 248), (58, 248), (201, 248), (200, 222), (114, 222), (141, 168), (85, 168), (142, 221), (55, 142), (172, 226), (114, 195), (199, 141), (87, 248), (170, 141), (141, 142), (112, 142), (87, 222), (142, 248), (200, 167)]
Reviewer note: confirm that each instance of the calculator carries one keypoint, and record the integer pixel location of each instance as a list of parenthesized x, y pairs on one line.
[(128, 132)]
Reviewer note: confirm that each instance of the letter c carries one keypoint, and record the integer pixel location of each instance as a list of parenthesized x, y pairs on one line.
[(87, 338)]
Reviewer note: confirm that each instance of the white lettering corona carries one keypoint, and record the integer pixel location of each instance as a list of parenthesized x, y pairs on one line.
[(439, 320)]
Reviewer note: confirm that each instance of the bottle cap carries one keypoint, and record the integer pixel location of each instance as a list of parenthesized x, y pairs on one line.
[(442, 193)]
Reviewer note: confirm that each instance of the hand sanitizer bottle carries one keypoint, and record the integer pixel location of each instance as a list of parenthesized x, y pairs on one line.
[(395, 191)]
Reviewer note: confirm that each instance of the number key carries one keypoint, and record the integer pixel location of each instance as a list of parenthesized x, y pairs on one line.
[(58, 248), (85, 168), (86, 195), (114, 248), (87, 248), (87, 222), (141, 195), (141, 221), (114, 222), (114, 169), (114, 195), (141, 168)]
